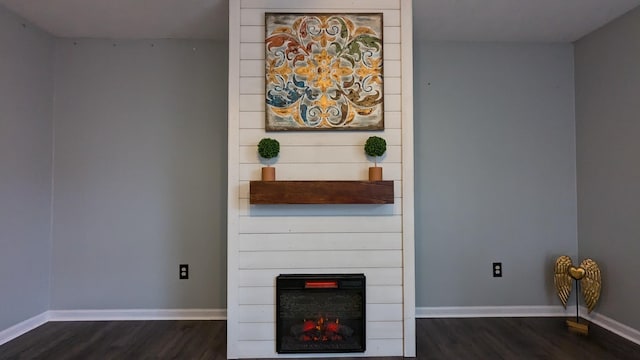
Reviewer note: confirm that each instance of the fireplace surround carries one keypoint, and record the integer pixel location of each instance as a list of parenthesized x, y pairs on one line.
[(320, 313), (266, 240)]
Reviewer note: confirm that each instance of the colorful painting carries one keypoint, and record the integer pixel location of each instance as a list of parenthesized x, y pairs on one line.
[(324, 72)]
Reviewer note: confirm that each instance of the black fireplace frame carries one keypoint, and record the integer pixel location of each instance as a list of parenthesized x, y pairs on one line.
[(349, 282)]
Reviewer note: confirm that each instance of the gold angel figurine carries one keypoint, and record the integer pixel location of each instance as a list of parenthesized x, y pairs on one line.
[(588, 273)]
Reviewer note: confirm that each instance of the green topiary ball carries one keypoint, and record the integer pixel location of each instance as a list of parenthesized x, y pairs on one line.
[(375, 146), (268, 148)]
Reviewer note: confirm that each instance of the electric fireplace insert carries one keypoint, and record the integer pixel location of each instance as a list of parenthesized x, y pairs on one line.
[(320, 313)]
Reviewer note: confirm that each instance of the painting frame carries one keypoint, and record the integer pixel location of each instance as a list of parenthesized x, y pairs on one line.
[(324, 71)]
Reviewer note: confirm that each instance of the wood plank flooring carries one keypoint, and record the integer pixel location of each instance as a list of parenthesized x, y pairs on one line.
[(517, 338), (121, 340), (483, 338)]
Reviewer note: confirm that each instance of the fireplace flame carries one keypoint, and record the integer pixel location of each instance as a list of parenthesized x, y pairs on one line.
[(322, 330)]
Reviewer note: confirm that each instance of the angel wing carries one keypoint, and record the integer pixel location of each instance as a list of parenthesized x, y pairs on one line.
[(591, 283), (562, 280)]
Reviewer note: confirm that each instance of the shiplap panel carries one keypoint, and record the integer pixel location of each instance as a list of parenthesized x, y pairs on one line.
[(320, 154), (243, 189), (332, 171), (309, 5), (276, 236), (298, 242), (246, 209), (384, 347), (319, 224), (267, 295), (392, 86), (384, 312), (243, 192), (252, 51), (320, 259), (392, 68), (257, 68), (391, 35), (384, 294), (375, 330), (257, 296), (408, 228), (252, 103), (393, 102), (252, 34), (255, 17), (314, 138), (267, 277), (252, 119), (392, 120), (384, 329), (252, 17), (256, 314), (391, 18), (232, 178), (252, 86), (267, 314), (266, 348), (257, 331), (390, 52)]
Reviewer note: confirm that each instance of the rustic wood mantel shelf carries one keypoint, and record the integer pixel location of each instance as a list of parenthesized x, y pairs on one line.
[(321, 192)]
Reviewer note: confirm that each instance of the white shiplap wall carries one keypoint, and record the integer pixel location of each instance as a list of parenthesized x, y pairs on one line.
[(265, 241)]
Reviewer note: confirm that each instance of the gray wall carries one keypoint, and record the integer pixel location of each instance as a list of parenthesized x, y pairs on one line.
[(608, 149), (140, 174), (495, 171), (26, 89)]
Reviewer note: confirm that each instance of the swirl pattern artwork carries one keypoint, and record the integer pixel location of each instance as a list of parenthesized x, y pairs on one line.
[(323, 72)]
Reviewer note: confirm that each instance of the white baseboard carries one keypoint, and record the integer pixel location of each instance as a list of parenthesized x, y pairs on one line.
[(110, 315), (23, 327), (137, 314), (493, 311), (614, 326), (605, 322)]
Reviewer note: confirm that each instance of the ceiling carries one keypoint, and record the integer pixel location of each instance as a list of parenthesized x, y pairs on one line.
[(437, 20)]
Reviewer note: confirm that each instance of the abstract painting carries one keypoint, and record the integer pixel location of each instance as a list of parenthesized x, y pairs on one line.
[(323, 72)]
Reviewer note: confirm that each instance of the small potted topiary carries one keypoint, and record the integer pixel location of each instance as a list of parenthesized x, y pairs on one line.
[(268, 149), (375, 147)]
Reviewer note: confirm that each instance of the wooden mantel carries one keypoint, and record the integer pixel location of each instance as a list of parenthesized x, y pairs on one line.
[(321, 192)]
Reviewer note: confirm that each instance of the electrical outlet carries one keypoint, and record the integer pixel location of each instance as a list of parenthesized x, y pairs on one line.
[(497, 269), (184, 271)]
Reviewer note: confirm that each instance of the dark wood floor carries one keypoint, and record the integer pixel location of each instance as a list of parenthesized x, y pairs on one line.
[(495, 338)]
